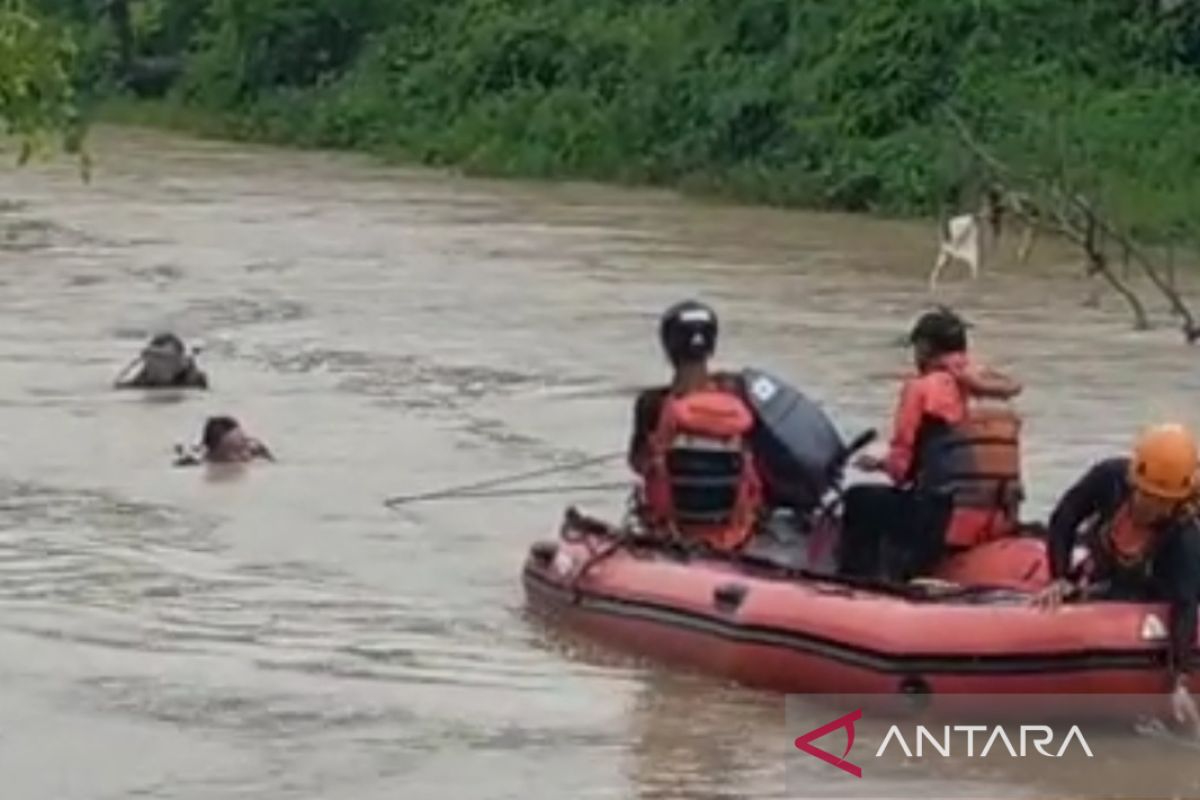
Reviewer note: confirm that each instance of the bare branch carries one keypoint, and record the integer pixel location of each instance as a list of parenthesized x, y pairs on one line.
[(1076, 218)]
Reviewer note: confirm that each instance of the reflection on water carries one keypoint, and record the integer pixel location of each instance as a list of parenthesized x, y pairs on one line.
[(185, 633), (694, 739)]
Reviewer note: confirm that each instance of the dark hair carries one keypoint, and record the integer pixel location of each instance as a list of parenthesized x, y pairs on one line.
[(215, 429), (941, 329), (167, 340)]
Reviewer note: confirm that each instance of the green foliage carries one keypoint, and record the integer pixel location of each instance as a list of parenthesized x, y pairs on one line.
[(836, 104), (244, 48), (36, 97)]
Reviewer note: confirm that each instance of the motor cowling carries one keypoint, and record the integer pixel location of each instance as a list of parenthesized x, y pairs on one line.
[(800, 451)]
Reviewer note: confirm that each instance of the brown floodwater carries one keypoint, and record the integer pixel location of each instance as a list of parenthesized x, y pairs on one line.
[(280, 633)]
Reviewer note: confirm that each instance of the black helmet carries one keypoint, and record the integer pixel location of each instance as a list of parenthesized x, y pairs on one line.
[(941, 329), (688, 331)]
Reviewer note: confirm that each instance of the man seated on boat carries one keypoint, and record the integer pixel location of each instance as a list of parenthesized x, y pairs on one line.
[(691, 441), (1138, 517), (954, 463), (164, 363)]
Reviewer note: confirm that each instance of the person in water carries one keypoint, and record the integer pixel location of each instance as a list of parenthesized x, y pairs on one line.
[(953, 463), (165, 363), (691, 441), (1138, 517), (223, 441)]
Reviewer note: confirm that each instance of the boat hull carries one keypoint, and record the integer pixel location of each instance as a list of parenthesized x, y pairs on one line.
[(808, 635)]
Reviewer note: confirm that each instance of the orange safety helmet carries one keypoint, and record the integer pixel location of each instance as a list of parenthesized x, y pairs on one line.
[(1165, 462)]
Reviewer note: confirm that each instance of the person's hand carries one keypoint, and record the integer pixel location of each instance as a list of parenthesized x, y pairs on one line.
[(1183, 707), (1051, 597), (869, 463), (187, 456), (260, 450)]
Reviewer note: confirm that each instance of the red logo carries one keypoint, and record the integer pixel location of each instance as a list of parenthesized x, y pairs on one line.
[(847, 722)]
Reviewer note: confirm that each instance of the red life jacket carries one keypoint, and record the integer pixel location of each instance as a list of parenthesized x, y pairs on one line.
[(1126, 542), (1119, 548), (702, 482), (1124, 546), (978, 462)]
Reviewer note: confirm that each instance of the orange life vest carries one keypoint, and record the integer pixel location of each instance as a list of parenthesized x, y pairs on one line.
[(702, 482), (1127, 542), (1124, 545), (978, 462)]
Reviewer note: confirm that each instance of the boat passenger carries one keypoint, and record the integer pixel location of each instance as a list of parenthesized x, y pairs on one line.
[(953, 463), (1138, 517), (223, 441), (691, 440), (165, 363)]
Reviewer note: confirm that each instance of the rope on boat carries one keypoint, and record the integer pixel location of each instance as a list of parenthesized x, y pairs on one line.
[(578, 528)]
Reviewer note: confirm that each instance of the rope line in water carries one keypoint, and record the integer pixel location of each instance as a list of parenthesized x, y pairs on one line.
[(474, 489), (534, 490)]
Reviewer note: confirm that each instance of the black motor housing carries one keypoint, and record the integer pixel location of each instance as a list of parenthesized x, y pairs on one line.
[(799, 449)]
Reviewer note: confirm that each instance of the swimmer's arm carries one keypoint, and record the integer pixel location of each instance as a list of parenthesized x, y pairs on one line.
[(186, 457), (262, 451), (138, 381)]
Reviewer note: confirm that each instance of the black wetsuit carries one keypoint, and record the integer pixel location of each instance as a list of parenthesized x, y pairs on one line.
[(191, 378), (1170, 571)]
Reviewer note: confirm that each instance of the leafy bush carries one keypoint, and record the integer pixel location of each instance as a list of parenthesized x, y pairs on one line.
[(36, 97)]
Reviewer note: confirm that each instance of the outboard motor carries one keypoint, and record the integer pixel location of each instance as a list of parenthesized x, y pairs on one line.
[(800, 451)]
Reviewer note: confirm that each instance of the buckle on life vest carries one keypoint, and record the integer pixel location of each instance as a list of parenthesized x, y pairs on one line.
[(705, 443)]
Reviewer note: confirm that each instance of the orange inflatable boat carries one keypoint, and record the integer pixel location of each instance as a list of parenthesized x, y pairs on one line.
[(791, 630)]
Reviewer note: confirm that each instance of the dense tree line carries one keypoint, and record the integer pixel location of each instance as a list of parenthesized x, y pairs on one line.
[(828, 104)]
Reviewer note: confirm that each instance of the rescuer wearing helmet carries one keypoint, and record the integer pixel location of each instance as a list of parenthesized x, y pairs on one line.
[(1138, 520), (953, 463), (691, 440)]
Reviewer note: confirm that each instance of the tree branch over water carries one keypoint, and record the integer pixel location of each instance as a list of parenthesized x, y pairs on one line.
[(1055, 204)]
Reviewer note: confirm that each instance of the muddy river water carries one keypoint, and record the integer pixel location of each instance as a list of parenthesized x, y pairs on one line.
[(281, 634)]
